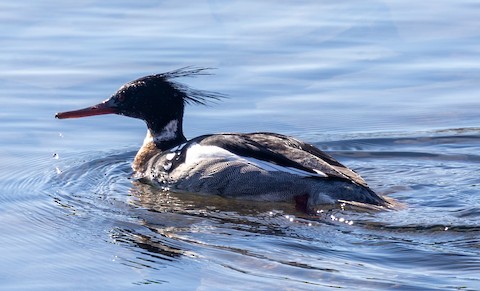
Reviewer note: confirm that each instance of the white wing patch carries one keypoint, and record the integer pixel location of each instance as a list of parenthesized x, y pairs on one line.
[(197, 152)]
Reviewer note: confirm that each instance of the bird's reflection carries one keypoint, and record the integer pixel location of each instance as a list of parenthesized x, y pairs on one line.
[(175, 225)]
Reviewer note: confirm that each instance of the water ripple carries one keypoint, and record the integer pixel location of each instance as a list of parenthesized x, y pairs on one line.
[(93, 196)]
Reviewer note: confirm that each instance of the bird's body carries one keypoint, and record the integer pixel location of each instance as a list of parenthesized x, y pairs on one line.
[(254, 166)]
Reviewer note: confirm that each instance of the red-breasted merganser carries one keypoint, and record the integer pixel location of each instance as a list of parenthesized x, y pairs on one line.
[(256, 166)]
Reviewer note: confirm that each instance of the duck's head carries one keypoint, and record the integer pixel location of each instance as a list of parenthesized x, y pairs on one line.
[(156, 99)]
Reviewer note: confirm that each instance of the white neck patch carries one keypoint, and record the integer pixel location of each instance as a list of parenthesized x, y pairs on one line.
[(169, 132)]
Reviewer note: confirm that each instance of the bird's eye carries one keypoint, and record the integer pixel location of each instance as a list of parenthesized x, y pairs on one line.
[(121, 98)]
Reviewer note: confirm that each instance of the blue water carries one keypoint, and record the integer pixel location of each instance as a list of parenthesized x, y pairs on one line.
[(390, 89)]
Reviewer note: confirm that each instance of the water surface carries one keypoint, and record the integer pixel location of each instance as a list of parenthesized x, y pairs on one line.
[(389, 89)]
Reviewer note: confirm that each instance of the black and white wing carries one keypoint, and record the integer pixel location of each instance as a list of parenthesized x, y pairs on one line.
[(275, 152)]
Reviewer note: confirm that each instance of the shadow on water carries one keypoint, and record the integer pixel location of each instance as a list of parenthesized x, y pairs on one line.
[(437, 231)]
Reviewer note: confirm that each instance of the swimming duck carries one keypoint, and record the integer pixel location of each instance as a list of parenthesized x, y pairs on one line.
[(258, 166)]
